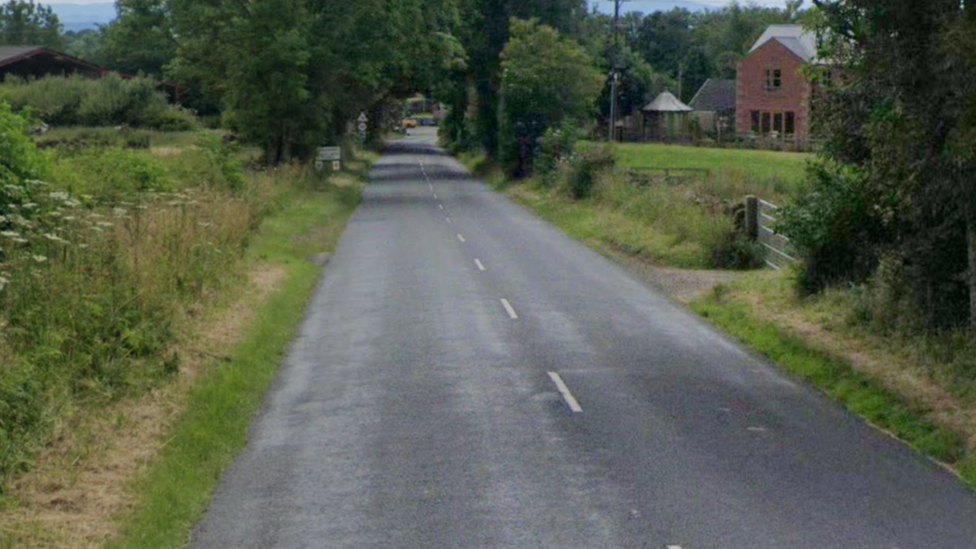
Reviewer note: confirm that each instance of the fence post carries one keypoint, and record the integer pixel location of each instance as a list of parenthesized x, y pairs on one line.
[(752, 217)]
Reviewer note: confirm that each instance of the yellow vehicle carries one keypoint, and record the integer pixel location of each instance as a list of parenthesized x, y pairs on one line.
[(409, 123)]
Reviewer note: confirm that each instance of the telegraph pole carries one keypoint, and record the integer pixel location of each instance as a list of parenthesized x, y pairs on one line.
[(614, 68)]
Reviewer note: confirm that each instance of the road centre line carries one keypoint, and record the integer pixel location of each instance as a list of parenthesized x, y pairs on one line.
[(448, 219), (435, 196), (441, 206), (567, 396), (481, 267), (461, 238), (509, 309)]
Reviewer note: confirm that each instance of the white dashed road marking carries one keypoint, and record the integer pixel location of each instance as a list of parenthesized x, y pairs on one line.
[(509, 309), (481, 267), (564, 390), (461, 238), (441, 206)]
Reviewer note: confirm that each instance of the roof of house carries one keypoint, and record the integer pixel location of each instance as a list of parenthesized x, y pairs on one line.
[(795, 38), (715, 95), (666, 102), (11, 54)]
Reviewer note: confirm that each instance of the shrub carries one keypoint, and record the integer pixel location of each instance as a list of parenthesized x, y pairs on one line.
[(112, 173), (554, 147), (109, 101), (730, 249), (834, 224), (583, 168)]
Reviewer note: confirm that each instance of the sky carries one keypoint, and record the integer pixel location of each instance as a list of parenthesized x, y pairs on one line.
[(716, 3)]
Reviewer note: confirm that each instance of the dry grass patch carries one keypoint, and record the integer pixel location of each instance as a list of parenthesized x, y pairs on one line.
[(83, 481)]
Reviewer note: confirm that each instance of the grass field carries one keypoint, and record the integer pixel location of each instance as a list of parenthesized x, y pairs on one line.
[(762, 164)]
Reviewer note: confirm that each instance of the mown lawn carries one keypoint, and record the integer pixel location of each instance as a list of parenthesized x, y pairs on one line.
[(785, 167)]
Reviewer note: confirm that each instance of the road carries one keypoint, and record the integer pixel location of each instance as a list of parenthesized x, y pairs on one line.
[(467, 376)]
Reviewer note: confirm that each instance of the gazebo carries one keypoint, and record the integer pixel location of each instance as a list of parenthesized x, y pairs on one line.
[(666, 118)]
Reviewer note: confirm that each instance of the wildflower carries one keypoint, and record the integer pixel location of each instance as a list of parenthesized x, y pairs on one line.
[(3, 219), (9, 234), (29, 206), (72, 203), (59, 196), (55, 238), (39, 258), (3, 283), (120, 212), (104, 224)]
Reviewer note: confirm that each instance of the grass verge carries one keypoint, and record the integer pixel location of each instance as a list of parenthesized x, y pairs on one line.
[(212, 430), (912, 420)]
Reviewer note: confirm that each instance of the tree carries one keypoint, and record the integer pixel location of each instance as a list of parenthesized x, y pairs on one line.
[(900, 118), (24, 23), (140, 40), (485, 35), (546, 79)]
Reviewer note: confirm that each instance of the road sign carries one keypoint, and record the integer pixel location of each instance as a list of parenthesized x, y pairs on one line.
[(362, 126), (336, 166), (362, 118), (328, 154)]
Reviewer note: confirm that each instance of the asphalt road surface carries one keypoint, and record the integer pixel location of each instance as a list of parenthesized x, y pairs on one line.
[(467, 376)]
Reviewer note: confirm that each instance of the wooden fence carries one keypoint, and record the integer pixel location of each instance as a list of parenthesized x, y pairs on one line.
[(760, 220), (643, 177)]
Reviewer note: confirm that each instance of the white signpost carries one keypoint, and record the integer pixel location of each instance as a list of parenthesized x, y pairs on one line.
[(361, 126), (328, 154)]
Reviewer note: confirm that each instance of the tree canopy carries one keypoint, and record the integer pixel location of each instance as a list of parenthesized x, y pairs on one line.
[(24, 23)]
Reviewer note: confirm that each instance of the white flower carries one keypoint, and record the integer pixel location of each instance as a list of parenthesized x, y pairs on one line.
[(29, 206), (9, 234), (39, 258), (120, 212), (59, 196), (3, 283)]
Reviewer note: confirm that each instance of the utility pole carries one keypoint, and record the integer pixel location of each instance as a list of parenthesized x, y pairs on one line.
[(614, 68)]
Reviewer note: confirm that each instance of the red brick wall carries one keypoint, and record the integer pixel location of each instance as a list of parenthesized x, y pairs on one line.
[(751, 94)]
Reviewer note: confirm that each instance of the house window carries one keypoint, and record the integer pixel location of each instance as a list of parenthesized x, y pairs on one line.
[(783, 123), (774, 79)]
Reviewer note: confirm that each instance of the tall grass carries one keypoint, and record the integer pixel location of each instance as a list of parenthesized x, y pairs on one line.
[(97, 267), (109, 101)]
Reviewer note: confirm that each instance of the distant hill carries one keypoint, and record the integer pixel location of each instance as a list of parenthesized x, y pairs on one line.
[(650, 6), (77, 17)]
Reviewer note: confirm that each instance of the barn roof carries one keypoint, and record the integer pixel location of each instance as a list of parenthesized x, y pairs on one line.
[(666, 102), (11, 54), (715, 95), (795, 38)]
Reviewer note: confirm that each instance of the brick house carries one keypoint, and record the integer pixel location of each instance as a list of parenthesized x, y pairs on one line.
[(772, 95)]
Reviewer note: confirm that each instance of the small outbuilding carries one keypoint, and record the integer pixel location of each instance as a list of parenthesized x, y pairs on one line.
[(714, 107), (666, 119)]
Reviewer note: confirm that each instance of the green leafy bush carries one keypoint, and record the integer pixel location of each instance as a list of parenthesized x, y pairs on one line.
[(109, 101), (554, 148), (836, 222), (583, 168), (111, 173)]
